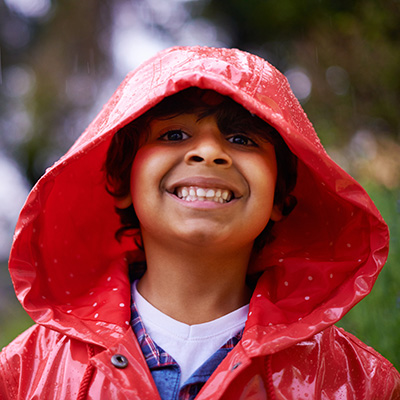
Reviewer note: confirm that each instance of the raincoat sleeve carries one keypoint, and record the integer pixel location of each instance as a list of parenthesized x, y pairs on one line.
[(34, 361), (384, 379), (24, 360), (388, 379), (12, 363)]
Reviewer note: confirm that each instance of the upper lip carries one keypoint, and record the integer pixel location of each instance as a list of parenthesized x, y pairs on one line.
[(205, 182)]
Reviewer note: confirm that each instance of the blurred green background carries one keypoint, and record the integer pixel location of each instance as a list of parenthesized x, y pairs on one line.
[(61, 60)]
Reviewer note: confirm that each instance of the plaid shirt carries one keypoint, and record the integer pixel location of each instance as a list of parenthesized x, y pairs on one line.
[(166, 371)]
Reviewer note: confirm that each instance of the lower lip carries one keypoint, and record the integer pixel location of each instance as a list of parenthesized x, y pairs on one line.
[(202, 204)]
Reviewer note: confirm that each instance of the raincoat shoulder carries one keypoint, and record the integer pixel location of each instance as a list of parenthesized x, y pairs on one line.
[(43, 363), (35, 361), (332, 364), (335, 364)]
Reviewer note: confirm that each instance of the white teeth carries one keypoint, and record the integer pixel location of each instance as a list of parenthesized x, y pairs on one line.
[(210, 193), (202, 194)]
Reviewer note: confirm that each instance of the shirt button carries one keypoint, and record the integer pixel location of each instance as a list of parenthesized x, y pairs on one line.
[(119, 361)]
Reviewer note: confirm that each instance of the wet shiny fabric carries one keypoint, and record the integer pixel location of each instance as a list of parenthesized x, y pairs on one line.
[(71, 275)]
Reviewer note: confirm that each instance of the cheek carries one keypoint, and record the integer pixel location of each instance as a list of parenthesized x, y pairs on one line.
[(141, 182), (262, 186), (144, 169), (148, 169), (262, 177)]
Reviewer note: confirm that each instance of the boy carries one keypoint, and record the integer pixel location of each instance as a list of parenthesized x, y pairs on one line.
[(235, 288)]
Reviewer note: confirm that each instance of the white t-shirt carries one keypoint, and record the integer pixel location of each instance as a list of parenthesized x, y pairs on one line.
[(189, 345)]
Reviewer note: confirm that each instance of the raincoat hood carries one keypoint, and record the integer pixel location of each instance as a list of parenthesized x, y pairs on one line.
[(71, 274)]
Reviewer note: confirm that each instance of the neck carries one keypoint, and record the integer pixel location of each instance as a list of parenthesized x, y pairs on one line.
[(195, 285)]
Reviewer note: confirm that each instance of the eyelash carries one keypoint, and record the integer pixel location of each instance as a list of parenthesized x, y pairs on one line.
[(167, 136), (249, 142)]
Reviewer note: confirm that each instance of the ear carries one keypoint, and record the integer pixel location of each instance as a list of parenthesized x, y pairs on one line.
[(123, 202), (276, 213)]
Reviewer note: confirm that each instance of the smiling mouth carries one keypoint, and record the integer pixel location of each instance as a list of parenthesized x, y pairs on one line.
[(196, 193)]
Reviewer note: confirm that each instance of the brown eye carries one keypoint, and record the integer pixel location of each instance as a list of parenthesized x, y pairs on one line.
[(175, 135), (242, 140)]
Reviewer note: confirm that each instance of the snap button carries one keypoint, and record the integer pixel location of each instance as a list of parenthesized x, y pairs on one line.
[(236, 366), (119, 361)]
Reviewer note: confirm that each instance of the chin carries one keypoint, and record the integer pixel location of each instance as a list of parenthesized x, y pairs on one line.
[(210, 239)]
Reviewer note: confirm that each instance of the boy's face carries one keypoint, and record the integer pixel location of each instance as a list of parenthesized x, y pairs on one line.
[(192, 183)]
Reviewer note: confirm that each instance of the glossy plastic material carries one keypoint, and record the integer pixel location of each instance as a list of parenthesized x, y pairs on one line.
[(70, 274)]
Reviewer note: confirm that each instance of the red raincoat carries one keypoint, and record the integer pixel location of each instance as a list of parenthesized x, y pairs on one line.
[(70, 274)]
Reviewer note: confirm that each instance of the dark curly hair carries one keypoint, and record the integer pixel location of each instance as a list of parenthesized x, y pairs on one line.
[(230, 116)]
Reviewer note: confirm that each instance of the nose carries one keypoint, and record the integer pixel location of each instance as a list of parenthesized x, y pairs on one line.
[(209, 150)]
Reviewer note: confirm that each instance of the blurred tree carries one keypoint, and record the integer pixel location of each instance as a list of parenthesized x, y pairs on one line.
[(348, 48), (348, 51), (62, 57)]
